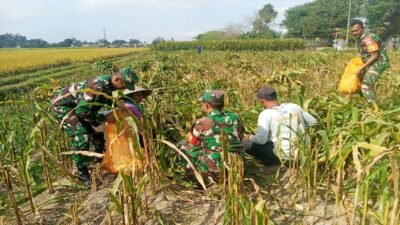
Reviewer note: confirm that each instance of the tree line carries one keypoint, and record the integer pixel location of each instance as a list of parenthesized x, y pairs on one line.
[(318, 19), (322, 17), (16, 40)]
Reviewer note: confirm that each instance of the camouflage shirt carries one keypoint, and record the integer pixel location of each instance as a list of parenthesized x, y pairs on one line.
[(206, 132), (368, 43), (86, 104)]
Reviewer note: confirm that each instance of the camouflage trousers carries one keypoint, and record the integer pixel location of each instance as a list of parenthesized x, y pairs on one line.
[(81, 134), (204, 160), (369, 80)]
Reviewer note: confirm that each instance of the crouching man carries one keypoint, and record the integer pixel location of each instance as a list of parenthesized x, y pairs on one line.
[(278, 127), (78, 112), (203, 143)]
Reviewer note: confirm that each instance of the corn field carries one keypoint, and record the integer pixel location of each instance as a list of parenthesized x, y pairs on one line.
[(234, 45), (347, 172)]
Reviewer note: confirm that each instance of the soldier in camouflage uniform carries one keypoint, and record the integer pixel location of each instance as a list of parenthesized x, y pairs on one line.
[(374, 56), (203, 143), (77, 111)]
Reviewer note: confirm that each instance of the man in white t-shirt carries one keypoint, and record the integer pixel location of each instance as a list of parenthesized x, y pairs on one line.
[(278, 127)]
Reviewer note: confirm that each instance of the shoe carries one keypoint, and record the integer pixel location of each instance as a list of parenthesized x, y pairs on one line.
[(84, 176)]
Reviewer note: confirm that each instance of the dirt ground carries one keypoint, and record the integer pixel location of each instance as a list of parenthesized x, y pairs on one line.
[(175, 204)]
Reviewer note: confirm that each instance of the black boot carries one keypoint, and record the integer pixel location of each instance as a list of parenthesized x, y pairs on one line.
[(84, 176)]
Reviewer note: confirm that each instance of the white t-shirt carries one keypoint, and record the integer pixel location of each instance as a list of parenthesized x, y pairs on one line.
[(280, 124)]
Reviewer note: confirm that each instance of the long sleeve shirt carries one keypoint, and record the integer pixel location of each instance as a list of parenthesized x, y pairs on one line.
[(280, 124), (86, 104)]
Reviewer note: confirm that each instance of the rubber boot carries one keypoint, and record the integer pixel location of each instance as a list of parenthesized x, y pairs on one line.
[(84, 176)]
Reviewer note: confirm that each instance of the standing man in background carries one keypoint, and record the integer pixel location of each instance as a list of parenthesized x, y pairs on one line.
[(375, 59)]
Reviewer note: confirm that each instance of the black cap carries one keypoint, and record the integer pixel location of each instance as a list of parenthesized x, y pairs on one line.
[(267, 93)]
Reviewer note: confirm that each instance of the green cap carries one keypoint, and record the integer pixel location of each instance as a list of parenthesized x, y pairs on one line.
[(213, 96), (129, 77)]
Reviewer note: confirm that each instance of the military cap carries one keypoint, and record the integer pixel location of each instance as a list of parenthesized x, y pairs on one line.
[(213, 96), (129, 77)]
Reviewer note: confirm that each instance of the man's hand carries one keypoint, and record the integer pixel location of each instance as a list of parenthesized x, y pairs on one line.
[(246, 137), (100, 128), (188, 137), (360, 73)]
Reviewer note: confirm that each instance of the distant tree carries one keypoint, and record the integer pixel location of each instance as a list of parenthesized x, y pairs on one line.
[(319, 18), (77, 43), (383, 17), (264, 16), (11, 40), (36, 43), (118, 43), (134, 42), (68, 42), (102, 42), (158, 40)]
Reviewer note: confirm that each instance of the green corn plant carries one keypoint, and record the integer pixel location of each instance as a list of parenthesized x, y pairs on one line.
[(234, 45), (129, 203)]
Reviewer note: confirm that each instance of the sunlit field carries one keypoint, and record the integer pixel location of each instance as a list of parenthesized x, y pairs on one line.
[(347, 171), (14, 61)]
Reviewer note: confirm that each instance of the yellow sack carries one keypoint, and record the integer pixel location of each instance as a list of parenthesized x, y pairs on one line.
[(350, 83), (118, 156)]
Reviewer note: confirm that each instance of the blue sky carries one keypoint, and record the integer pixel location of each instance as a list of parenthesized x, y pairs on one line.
[(55, 20)]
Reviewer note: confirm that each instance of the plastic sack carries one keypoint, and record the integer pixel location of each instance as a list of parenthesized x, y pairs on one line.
[(119, 155), (350, 83)]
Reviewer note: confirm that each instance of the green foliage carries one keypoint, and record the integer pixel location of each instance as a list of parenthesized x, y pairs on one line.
[(264, 16), (318, 18), (118, 43), (105, 66), (254, 35), (158, 40), (212, 35), (383, 17), (234, 45)]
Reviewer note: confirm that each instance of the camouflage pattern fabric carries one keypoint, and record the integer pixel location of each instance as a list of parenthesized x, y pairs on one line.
[(367, 44), (206, 154), (78, 111), (368, 82), (214, 96), (129, 77)]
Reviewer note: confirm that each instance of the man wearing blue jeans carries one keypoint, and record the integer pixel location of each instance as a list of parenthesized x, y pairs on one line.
[(278, 125)]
